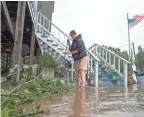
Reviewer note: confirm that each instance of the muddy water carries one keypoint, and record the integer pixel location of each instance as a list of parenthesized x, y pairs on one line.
[(101, 102)]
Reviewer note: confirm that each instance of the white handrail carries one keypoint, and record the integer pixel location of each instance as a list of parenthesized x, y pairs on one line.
[(111, 53), (95, 57), (32, 12), (54, 24), (42, 16)]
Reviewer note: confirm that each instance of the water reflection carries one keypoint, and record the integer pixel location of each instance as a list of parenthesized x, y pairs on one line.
[(79, 107), (100, 102)]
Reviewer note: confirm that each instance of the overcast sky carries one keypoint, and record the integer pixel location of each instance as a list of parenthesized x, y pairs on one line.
[(100, 21)]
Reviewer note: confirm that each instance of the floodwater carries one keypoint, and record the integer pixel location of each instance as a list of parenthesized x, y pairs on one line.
[(99, 102)]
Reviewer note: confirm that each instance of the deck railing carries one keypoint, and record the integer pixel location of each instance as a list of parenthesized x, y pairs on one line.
[(110, 59)]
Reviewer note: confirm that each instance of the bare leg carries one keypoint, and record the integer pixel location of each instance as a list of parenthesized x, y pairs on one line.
[(83, 78), (83, 65), (78, 78)]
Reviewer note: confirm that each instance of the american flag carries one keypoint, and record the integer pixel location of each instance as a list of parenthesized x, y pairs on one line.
[(135, 20)]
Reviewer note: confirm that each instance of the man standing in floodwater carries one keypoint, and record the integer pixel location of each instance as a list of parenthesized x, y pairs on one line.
[(79, 54)]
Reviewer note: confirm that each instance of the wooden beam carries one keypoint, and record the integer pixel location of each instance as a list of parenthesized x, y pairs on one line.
[(32, 52), (39, 60), (18, 38), (8, 18)]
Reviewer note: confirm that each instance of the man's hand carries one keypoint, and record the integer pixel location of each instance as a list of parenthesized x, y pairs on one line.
[(67, 52)]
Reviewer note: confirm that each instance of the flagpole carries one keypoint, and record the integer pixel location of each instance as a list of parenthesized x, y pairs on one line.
[(129, 37), (133, 74)]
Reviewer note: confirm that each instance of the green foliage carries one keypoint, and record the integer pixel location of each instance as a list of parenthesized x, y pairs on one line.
[(140, 59), (30, 92), (50, 62), (10, 107)]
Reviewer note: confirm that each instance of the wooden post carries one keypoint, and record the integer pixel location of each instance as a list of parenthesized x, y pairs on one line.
[(72, 70), (8, 18), (40, 60), (18, 38), (41, 63), (38, 56), (31, 52), (7, 61)]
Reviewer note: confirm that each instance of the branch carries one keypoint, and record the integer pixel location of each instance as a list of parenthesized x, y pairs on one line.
[(30, 114), (21, 85), (10, 94)]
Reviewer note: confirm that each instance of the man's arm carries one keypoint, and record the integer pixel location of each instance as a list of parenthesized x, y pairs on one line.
[(75, 52), (81, 45)]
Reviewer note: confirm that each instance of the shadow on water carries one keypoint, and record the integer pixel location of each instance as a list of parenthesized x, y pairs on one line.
[(100, 102)]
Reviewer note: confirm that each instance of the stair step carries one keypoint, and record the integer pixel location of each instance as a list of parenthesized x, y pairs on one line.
[(54, 44), (111, 85), (50, 40), (44, 35), (109, 79), (60, 48), (105, 75)]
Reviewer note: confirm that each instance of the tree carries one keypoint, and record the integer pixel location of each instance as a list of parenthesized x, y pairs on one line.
[(140, 59)]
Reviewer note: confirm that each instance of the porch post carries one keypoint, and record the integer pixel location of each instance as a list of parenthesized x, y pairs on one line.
[(32, 52), (18, 39), (96, 74), (125, 72)]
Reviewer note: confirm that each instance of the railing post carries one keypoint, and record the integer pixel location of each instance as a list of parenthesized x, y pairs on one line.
[(72, 66), (103, 53), (88, 67), (43, 25), (96, 50), (125, 74), (91, 60), (96, 74), (40, 21), (114, 61), (49, 26), (106, 57), (110, 58), (36, 25), (65, 43), (118, 64), (100, 51)]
